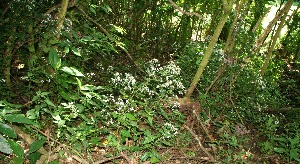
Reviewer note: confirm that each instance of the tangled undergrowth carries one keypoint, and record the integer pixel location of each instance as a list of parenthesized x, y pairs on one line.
[(143, 120)]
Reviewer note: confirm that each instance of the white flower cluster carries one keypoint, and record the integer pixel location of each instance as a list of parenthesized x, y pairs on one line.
[(169, 130), (126, 81), (167, 77)]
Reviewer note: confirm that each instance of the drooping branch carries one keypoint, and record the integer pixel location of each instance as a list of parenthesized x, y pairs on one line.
[(184, 12)]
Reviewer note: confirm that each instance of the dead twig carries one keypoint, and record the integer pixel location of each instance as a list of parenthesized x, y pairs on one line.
[(108, 159), (212, 159), (79, 159), (203, 127), (126, 157)]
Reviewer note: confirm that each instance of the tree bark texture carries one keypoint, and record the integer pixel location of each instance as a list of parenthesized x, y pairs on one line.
[(61, 16)]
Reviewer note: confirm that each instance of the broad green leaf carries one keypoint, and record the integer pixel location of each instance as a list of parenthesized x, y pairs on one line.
[(93, 10), (33, 113), (79, 82), (5, 146), (106, 9), (75, 35), (49, 102), (67, 50), (71, 71), (18, 160), (76, 51), (7, 130), (279, 139), (17, 149), (134, 149), (53, 41), (148, 139), (54, 59), (145, 156), (36, 145), (167, 143), (2, 104), (68, 35), (19, 118), (294, 154), (294, 141), (280, 150), (86, 38), (130, 117), (65, 95), (125, 133), (154, 160), (34, 157)]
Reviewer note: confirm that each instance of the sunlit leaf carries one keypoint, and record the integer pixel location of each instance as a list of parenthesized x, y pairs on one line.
[(71, 71), (5, 146), (54, 59), (167, 143), (125, 134), (19, 118), (67, 49), (145, 156), (76, 51), (7, 130), (130, 117), (154, 160), (49, 102), (86, 38)]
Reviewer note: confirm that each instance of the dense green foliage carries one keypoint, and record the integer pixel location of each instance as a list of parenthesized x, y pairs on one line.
[(108, 85)]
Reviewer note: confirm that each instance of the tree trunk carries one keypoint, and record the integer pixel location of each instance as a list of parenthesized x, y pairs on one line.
[(61, 16), (7, 57), (227, 9)]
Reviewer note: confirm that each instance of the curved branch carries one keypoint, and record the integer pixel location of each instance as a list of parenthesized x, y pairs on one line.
[(184, 12)]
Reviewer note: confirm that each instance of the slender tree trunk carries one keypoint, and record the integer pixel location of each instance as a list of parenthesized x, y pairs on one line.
[(274, 39), (230, 42), (260, 19), (32, 55), (227, 9), (271, 24), (61, 16), (7, 57)]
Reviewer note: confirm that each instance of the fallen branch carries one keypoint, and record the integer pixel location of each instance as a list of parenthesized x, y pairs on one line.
[(79, 159), (212, 159), (203, 127)]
